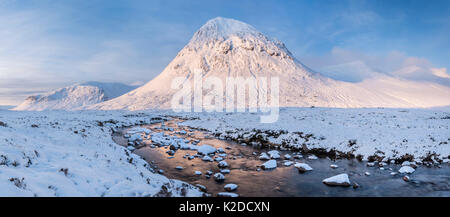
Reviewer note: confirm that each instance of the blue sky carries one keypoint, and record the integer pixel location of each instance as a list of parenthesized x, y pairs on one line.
[(49, 44)]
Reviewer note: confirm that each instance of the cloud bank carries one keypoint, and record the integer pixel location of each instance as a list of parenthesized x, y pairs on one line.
[(354, 66)]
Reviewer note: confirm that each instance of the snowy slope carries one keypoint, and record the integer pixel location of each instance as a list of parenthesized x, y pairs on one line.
[(61, 153), (226, 47), (74, 96)]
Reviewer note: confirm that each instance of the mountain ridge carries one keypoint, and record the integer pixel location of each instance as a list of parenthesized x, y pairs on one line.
[(224, 48), (229, 48), (74, 96)]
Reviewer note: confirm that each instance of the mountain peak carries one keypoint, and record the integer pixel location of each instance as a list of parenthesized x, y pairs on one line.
[(223, 28)]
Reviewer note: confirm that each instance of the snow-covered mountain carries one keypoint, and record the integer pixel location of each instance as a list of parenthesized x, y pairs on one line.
[(229, 48), (75, 96)]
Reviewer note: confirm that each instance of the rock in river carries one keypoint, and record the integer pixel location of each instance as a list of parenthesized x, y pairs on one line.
[(334, 166), (338, 180), (302, 167), (264, 156), (206, 149), (219, 177), (207, 158), (312, 157), (406, 169), (274, 154), (271, 164), (230, 187), (227, 194), (222, 164)]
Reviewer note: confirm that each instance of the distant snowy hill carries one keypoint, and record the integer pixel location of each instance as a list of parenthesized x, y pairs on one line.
[(226, 47), (75, 96), (6, 107)]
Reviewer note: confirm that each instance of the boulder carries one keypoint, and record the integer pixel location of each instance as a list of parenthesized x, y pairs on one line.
[(271, 164), (302, 167), (230, 187), (338, 180)]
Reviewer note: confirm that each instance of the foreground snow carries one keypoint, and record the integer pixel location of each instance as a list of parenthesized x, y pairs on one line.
[(58, 153), (73, 154)]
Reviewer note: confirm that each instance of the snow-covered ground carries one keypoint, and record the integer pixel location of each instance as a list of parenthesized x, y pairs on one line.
[(61, 153), (378, 134), (73, 154)]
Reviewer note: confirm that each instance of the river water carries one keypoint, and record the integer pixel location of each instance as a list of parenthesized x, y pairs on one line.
[(284, 181)]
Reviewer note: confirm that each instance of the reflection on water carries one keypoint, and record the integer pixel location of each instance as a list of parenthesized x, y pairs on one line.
[(285, 181)]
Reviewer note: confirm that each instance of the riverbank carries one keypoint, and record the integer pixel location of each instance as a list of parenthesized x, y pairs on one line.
[(58, 153), (174, 150)]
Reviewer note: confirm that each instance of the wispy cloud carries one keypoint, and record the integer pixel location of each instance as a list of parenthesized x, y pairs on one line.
[(48, 44), (354, 66)]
